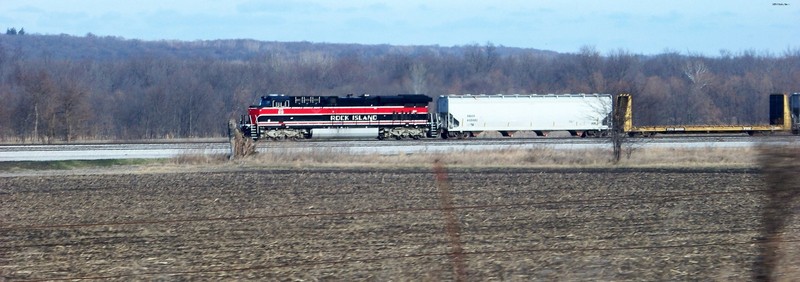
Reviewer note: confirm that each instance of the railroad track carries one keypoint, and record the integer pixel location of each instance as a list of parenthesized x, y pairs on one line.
[(170, 149)]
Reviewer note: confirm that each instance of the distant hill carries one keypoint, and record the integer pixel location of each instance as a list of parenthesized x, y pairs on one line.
[(103, 48)]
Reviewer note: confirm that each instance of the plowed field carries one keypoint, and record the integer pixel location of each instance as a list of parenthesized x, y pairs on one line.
[(383, 224)]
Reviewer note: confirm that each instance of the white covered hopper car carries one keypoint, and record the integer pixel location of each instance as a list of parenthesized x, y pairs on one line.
[(584, 115)]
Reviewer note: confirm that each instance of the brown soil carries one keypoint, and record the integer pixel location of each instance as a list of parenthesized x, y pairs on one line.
[(384, 224)]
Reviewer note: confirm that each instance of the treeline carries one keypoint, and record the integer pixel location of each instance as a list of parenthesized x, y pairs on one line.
[(65, 88)]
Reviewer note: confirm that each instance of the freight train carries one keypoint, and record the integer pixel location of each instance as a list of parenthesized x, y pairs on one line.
[(402, 116)]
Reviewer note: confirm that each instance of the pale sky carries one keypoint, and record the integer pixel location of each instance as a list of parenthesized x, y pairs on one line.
[(643, 27)]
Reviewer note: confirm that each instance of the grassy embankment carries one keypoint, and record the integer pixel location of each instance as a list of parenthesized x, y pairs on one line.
[(73, 164), (510, 157)]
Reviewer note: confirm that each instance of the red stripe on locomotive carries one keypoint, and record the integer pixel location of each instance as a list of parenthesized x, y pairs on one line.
[(255, 112)]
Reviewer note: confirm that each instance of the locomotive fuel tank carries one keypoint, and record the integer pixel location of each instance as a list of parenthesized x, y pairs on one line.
[(344, 133)]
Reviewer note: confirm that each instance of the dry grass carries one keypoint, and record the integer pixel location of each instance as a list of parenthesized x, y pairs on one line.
[(544, 157), (198, 159), (510, 157), (333, 158), (704, 157)]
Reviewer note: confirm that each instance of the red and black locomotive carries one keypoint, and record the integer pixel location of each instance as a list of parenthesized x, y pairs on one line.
[(279, 116)]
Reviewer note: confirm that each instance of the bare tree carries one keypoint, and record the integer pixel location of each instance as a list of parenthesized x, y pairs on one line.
[(73, 109), (418, 75), (480, 59), (39, 88), (590, 69), (697, 72), (701, 107)]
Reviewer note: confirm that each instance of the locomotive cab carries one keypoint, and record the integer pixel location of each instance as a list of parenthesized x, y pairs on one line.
[(274, 100)]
